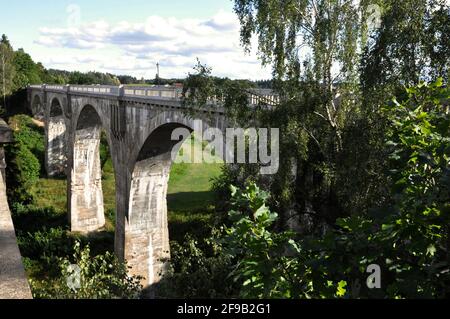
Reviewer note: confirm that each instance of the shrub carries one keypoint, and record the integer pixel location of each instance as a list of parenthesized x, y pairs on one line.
[(101, 277), (24, 159), (198, 270), (22, 172)]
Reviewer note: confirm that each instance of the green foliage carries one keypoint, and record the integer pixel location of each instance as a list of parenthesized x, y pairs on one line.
[(101, 277), (23, 159), (411, 45), (28, 72), (417, 228), (21, 173), (198, 270), (329, 163), (45, 246), (92, 78), (104, 150), (408, 239), (29, 134), (201, 90), (265, 268), (7, 70)]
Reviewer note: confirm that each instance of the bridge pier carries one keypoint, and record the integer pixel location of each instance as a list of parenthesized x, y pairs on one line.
[(55, 155), (55, 139), (85, 177), (146, 229)]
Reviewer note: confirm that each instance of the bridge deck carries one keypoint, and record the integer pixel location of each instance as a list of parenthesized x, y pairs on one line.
[(150, 93)]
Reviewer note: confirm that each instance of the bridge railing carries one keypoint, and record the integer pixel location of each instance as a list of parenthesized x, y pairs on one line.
[(256, 96), (263, 96), (153, 92), (95, 89)]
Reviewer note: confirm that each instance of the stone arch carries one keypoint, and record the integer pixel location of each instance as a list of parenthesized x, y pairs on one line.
[(146, 226), (86, 195), (37, 107), (56, 155)]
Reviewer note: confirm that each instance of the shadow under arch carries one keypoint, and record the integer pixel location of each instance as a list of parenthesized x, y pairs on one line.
[(86, 202), (146, 227), (37, 108), (56, 140)]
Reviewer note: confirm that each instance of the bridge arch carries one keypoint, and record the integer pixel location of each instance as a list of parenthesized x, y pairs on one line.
[(55, 133), (86, 204), (37, 107), (146, 226)]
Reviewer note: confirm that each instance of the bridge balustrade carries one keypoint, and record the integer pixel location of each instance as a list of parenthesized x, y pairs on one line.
[(256, 96)]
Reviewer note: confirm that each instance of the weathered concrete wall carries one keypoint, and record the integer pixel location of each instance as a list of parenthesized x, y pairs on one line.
[(86, 187), (55, 134), (56, 157), (13, 280), (146, 229)]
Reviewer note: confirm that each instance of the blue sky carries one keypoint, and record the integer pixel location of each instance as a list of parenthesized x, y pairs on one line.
[(130, 37)]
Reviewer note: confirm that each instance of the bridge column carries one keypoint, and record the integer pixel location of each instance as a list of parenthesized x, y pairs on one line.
[(146, 230), (55, 151), (146, 227), (55, 139), (85, 175)]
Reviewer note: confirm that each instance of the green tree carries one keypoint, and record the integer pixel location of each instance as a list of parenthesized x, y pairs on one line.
[(27, 72), (411, 45), (23, 159), (313, 47), (7, 69)]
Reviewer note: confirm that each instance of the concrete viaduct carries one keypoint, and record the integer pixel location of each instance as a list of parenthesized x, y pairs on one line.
[(138, 122)]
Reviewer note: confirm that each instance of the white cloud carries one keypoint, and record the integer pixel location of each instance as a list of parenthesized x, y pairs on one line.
[(135, 48)]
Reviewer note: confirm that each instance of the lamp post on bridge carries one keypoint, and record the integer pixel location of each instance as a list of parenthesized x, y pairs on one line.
[(157, 74)]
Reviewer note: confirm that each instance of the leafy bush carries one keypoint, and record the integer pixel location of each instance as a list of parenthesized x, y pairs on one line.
[(45, 245), (29, 134), (101, 277), (198, 270), (23, 159), (22, 173), (266, 267)]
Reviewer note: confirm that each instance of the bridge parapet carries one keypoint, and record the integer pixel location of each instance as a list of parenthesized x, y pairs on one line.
[(97, 89), (154, 92), (256, 96)]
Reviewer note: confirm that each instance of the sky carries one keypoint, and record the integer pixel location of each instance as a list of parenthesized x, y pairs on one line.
[(131, 37)]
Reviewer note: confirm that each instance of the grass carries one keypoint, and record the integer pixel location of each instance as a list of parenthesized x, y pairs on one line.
[(51, 193)]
